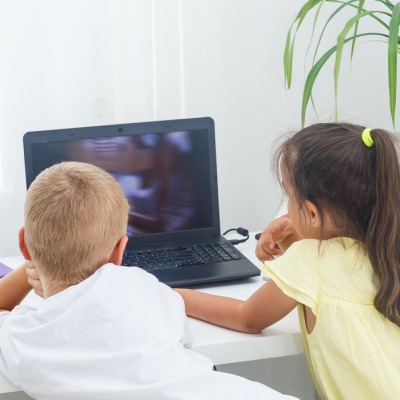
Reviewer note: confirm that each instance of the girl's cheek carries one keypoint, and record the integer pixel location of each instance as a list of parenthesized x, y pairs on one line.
[(294, 216), (290, 211)]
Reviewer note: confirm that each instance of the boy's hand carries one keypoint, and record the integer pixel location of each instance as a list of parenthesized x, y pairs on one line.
[(33, 278), (276, 232)]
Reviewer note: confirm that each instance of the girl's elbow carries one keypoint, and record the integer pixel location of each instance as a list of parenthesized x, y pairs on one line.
[(249, 324), (252, 328)]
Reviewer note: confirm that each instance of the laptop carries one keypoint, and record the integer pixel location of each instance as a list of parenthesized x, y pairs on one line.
[(168, 172)]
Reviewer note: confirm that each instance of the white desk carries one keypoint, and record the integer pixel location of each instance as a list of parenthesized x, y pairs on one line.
[(221, 345)]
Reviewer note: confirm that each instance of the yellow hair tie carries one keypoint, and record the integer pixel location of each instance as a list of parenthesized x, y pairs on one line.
[(366, 137)]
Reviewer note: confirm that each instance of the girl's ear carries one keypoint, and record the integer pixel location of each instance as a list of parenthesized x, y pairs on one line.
[(315, 218)]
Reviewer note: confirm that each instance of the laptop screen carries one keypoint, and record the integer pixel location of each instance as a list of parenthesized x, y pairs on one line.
[(165, 176)]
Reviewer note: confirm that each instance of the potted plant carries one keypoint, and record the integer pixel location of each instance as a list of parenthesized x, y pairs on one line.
[(388, 17)]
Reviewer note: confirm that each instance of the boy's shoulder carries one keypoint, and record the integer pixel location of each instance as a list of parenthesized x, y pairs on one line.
[(123, 295), (116, 277), (117, 281), (108, 288)]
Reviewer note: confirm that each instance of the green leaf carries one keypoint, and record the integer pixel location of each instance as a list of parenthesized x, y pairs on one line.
[(315, 110), (392, 58), (386, 3), (360, 8), (348, 3), (340, 44), (372, 16), (393, 49), (305, 59), (289, 48), (312, 34), (305, 9), (288, 53), (329, 20), (287, 69), (312, 75)]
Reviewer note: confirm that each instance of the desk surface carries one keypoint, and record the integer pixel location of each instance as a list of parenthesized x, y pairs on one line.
[(221, 345)]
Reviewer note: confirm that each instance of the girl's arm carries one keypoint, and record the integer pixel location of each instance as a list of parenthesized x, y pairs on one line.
[(13, 288), (264, 308)]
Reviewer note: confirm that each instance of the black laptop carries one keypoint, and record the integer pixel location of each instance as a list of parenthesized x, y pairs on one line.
[(168, 172)]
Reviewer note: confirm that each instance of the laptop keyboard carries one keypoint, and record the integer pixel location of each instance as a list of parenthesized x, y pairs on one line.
[(179, 256)]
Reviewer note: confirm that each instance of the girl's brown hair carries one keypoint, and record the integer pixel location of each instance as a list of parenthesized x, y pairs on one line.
[(358, 187)]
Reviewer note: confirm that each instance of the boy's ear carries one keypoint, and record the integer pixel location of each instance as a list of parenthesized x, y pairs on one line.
[(118, 252), (22, 244)]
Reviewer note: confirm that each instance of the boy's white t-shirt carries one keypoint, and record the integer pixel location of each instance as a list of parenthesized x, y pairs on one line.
[(120, 334)]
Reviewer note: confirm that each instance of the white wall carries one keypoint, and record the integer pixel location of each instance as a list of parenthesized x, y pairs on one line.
[(94, 62)]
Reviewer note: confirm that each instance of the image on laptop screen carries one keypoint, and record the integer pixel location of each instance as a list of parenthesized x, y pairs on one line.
[(165, 176)]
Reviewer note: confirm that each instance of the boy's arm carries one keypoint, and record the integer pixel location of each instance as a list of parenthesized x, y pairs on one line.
[(265, 307), (13, 288)]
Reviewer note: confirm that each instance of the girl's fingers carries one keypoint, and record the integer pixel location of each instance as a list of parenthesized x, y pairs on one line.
[(267, 243), (265, 249), (261, 254), (276, 231), (265, 253)]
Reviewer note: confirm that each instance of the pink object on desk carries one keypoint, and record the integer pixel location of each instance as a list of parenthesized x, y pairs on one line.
[(4, 270)]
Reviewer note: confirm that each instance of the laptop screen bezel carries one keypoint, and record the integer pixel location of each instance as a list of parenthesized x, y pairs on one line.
[(107, 131)]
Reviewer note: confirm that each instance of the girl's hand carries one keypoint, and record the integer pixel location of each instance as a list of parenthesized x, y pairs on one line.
[(33, 278), (276, 232)]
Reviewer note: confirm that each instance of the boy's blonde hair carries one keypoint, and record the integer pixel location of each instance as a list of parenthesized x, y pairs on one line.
[(75, 214)]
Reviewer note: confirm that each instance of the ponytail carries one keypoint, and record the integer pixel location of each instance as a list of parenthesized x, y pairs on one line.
[(383, 232)]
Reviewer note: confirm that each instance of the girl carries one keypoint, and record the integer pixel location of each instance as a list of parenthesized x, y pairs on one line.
[(341, 262)]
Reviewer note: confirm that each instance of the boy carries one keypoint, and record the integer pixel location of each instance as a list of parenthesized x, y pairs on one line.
[(103, 331)]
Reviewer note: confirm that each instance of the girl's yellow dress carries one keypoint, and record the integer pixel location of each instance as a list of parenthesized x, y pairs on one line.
[(354, 351)]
